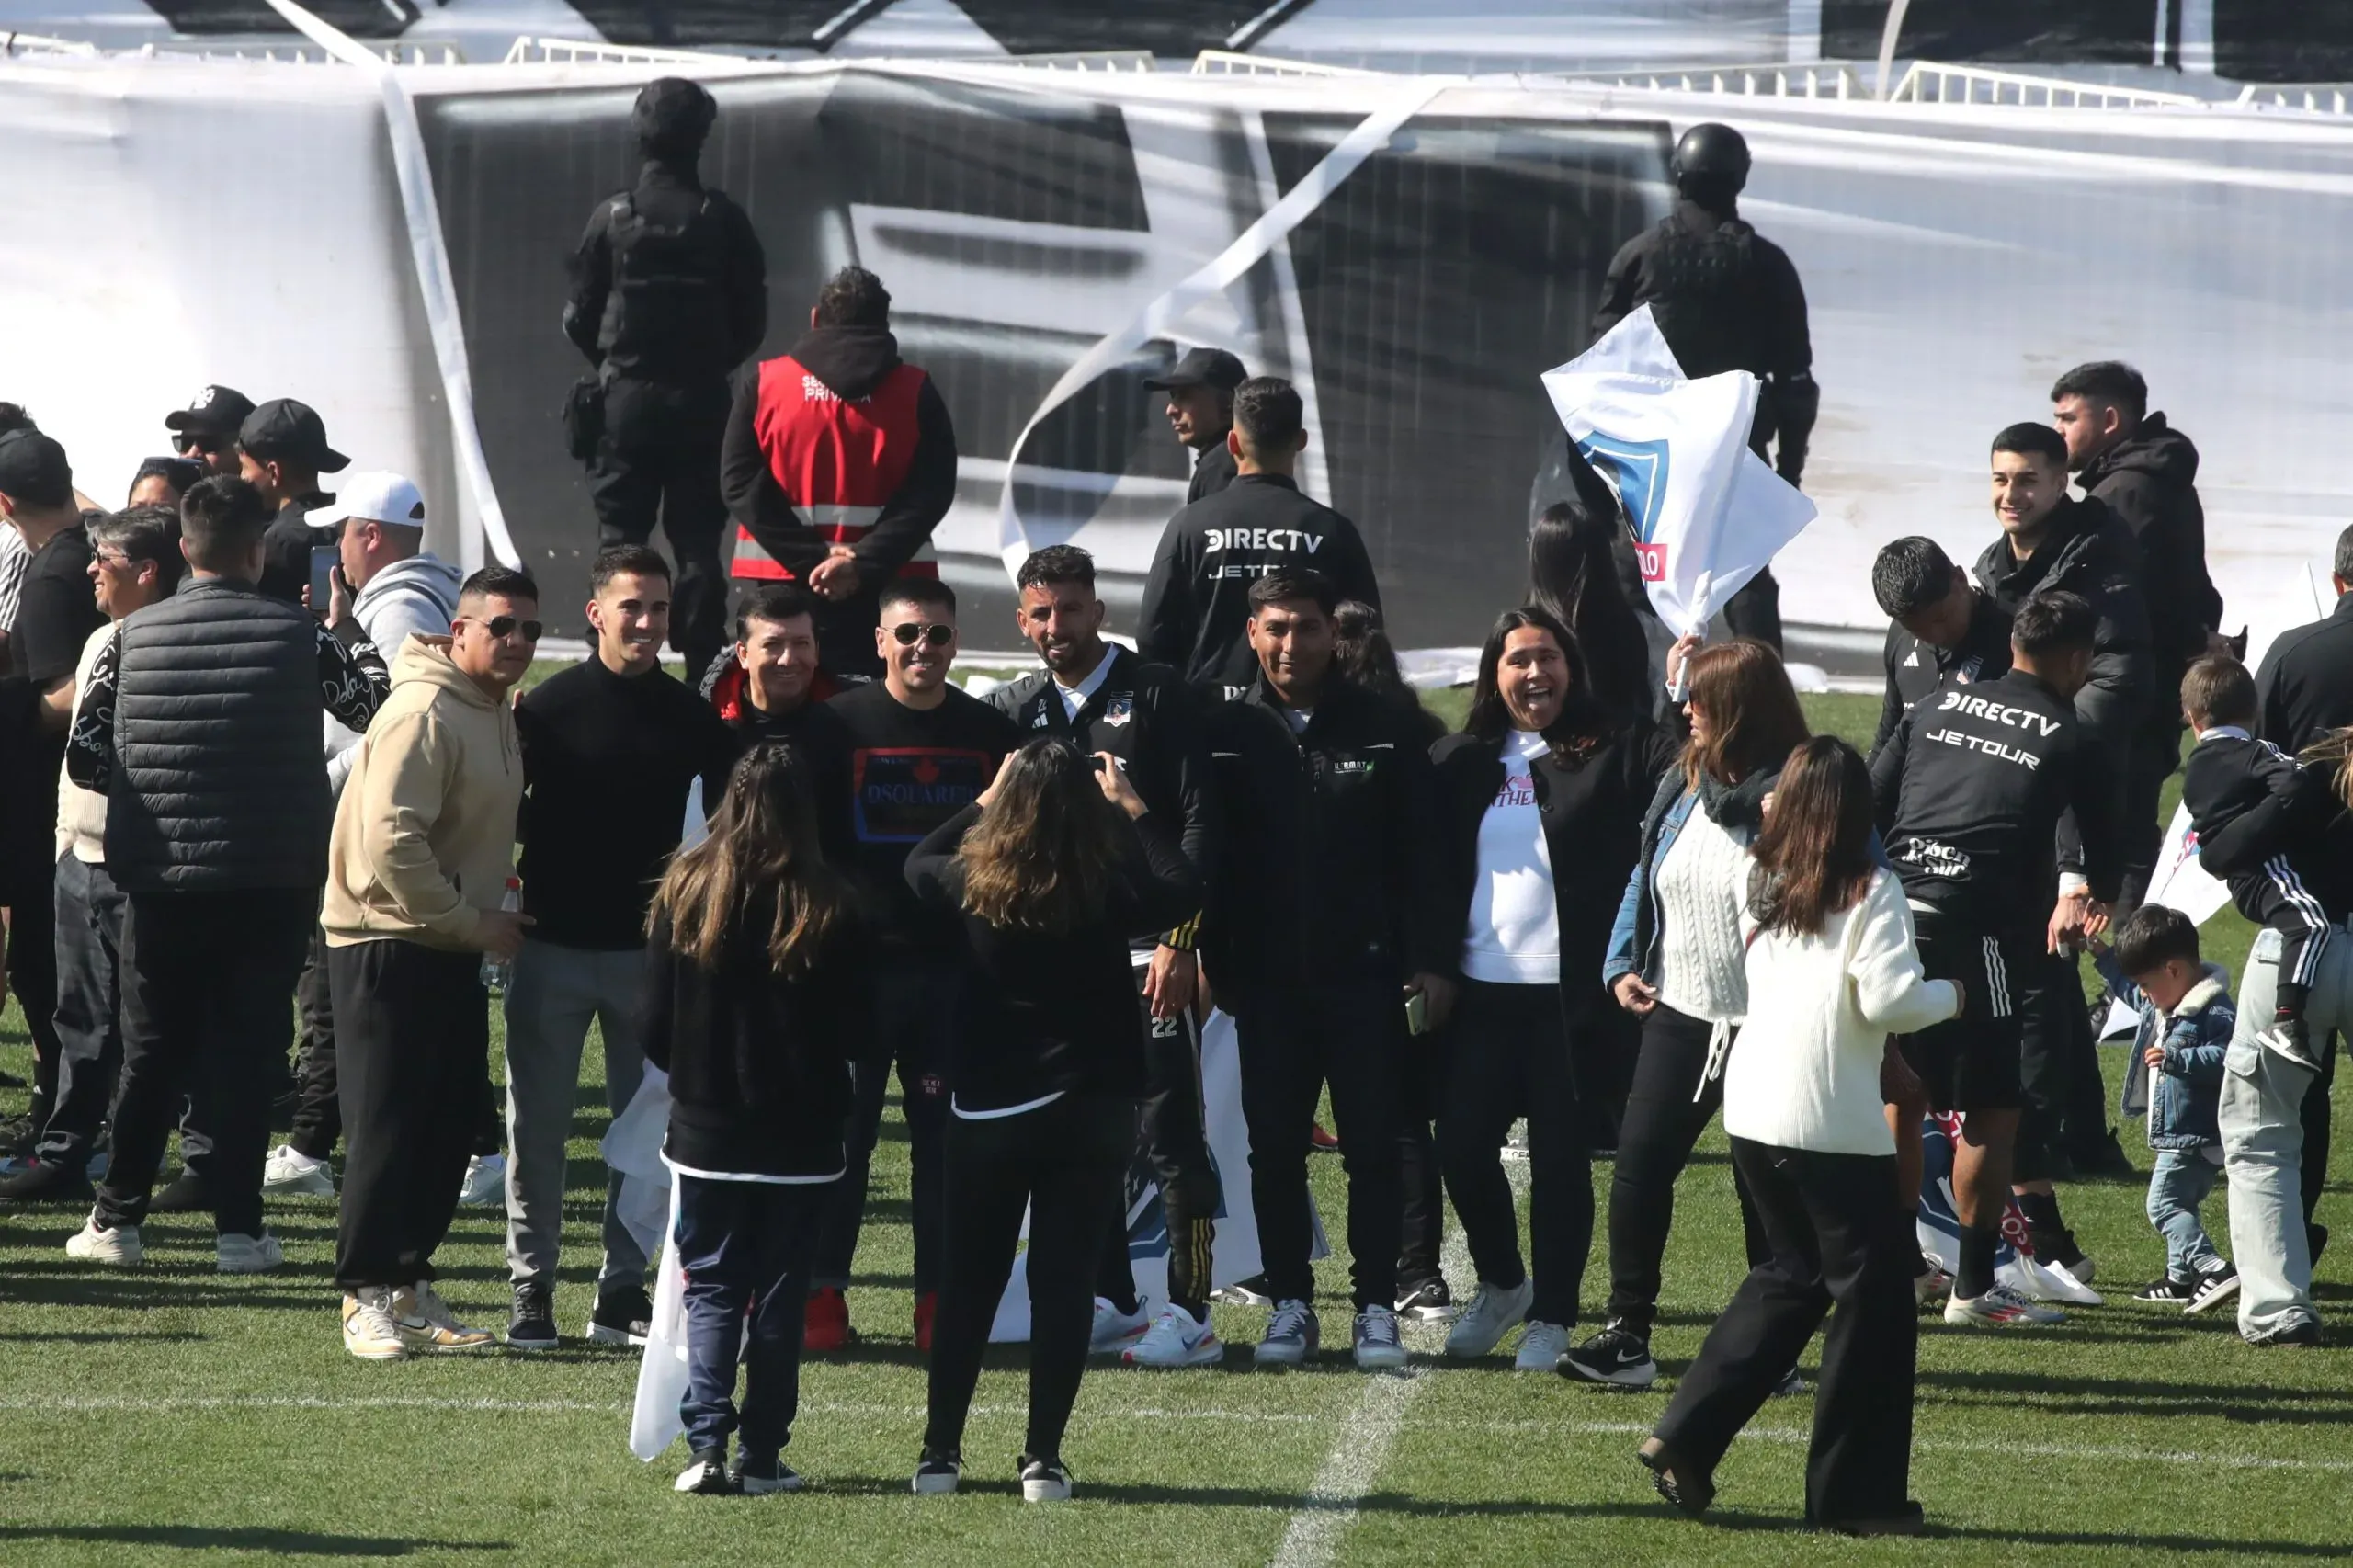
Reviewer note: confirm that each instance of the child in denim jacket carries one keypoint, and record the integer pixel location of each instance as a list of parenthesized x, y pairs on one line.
[(2186, 1017)]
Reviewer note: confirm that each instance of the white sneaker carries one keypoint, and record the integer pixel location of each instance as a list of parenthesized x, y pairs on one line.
[(233, 1254), (2040, 1281), (1378, 1347), (1176, 1340), (369, 1331), (2000, 1307), (1116, 1329), (426, 1322), (290, 1173), (485, 1180), (1542, 1347), (121, 1247), (1934, 1286), (1495, 1311), (1293, 1335)]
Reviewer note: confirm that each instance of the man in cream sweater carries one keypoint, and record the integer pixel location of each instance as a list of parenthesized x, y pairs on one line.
[(423, 844)]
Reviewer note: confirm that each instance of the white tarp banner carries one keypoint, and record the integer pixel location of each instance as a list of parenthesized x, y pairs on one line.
[(1707, 514)]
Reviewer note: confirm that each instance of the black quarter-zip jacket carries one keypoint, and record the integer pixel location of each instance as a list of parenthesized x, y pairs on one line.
[(1328, 871), (1969, 792), (1916, 668)]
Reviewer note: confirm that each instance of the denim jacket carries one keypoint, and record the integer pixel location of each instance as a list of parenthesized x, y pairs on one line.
[(2183, 1097)]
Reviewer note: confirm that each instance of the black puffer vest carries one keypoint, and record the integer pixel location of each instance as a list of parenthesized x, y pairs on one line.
[(219, 781)]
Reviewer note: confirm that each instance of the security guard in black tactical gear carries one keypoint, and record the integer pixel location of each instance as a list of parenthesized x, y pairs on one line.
[(669, 294), (1727, 298)]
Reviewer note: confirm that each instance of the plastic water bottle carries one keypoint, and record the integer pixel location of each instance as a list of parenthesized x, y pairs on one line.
[(496, 971)]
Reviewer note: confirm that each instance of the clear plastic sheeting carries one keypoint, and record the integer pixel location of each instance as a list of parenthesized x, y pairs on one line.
[(1956, 258)]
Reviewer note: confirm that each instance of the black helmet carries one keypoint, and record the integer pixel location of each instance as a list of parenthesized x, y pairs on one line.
[(673, 116), (1716, 153)]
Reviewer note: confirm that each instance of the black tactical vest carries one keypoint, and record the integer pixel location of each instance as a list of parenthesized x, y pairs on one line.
[(665, 319), (1702, 295)]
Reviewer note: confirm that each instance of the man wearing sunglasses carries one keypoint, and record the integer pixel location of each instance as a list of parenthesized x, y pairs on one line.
[(424, 843), (920, 751), (206, 430)]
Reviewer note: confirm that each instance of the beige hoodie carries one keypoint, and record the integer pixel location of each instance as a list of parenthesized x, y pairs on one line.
[(424, 831)]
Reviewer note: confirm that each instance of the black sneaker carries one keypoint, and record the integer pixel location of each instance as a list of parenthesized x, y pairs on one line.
[(1618, 1356), (533, 1325), (2168, 1292), (1044, 1481), (2215, 1285), (938, 1472), (1426, 1300), (757, 1476), (18, 1136), (2303, 1331), (623, 1315), (188, 1194), (2291, 1038), (42, 1182), (707, 1475)]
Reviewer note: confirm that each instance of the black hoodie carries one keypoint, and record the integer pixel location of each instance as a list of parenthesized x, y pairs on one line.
[(852, 361), (2148, 480), (2089, 553)]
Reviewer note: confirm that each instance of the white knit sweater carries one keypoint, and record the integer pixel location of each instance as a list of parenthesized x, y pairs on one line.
[(1702, 883), (1804, 1073)]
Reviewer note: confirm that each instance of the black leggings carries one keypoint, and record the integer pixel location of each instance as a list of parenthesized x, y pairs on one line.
[(1664, 1120), (1063, 1162), (1508, 1056)]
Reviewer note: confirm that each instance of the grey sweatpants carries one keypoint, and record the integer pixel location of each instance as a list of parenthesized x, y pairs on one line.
[(555, 994)]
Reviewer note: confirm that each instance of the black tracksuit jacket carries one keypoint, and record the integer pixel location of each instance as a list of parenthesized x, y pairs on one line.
[(2088, 552), (1916, 668), (2263, 825)]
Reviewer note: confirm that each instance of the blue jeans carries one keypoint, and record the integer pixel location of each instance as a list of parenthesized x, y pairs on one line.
[(746, 1246), (2176, 1187)]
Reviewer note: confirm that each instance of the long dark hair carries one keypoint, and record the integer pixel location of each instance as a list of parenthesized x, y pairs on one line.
[(1753, 718), (1363, 655), (1814, 859), (1047, 846), (1572, 575), (762, 864), (1584, 721)]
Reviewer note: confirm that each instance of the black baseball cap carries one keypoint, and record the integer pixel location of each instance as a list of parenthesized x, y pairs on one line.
[(288, 430), (215, 411), (33, 467), (1202, 368)]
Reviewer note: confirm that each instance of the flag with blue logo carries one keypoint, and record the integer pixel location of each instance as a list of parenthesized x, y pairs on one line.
[(1706, 513)]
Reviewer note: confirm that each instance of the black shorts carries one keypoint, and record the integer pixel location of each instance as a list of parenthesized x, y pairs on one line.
[(1971, 1062)]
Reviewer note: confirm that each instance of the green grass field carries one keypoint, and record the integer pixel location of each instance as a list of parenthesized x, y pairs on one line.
[(173, 1414)]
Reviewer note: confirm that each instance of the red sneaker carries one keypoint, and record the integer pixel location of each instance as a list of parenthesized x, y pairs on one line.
[(927, 1309), (1320, 1141), (826, 1328)]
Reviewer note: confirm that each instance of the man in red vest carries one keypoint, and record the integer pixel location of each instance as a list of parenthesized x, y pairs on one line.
[(839, 461)]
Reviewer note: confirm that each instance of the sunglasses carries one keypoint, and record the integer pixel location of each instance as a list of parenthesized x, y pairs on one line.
[(503, 627), (936, 635), (198, 441)]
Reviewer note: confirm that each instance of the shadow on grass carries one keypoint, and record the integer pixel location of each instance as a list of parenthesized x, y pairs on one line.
[(199, 1537)]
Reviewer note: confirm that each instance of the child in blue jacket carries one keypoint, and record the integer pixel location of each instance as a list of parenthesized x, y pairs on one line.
[(2186, 1022)]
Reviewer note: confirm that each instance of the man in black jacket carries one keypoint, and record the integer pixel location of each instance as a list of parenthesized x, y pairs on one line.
[(669, 294), (1200, 411), (769, 687), (1103, 698), (1324, 919), (2305, 682), (1940, 627), (1969, 792), (201, 725), (1195, 601), (281, 451)]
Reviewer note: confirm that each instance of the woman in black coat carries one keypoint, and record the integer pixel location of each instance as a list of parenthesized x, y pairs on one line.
[(1541, 799)]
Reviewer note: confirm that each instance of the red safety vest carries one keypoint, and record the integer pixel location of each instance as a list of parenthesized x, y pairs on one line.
[(837, 460)]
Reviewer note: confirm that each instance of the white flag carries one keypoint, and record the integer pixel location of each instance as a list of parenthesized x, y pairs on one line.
[(1706, 513), (2177, 883)]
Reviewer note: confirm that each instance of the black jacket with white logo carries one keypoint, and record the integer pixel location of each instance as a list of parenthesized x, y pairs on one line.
[(1916, 668), (1328, 870), (1196, 610), (1968, 793), (1148, 719), (2089, 553)]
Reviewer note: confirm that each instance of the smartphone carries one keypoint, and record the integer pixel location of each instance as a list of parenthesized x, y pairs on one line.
[(325, 559), (1417, 1013)]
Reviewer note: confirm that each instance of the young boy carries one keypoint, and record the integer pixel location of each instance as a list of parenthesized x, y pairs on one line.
[(2255, 811), (2186, 1023)]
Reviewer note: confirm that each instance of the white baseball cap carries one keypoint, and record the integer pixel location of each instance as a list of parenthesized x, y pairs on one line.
[(371, 495)]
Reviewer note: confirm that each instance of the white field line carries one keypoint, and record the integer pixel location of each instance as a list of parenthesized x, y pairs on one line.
[(67, 1405), (1367, 1434)]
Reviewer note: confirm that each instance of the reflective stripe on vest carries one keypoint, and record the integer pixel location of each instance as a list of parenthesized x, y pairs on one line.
[(837, 460)]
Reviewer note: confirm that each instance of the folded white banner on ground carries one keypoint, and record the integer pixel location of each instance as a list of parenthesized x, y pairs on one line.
[(654, 1422), (2177, 883), (1707, 515), (648, 1206), (1235, 1257)]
